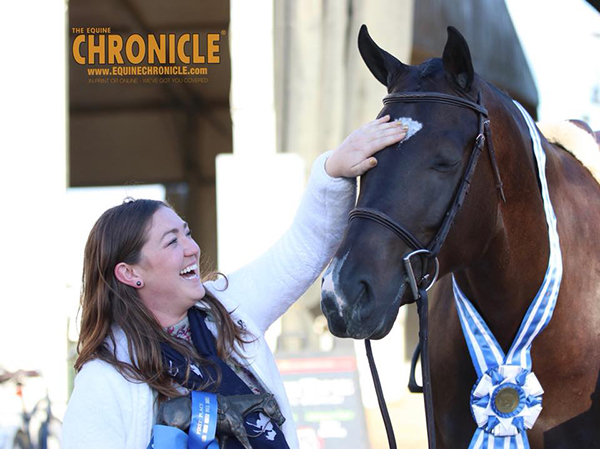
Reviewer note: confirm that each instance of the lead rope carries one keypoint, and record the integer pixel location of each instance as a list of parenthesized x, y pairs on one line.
[(422, 309), (389, 429)]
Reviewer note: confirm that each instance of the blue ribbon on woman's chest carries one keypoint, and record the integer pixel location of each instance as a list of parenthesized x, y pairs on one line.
[(506, 399), (264, 432), (203, 427)]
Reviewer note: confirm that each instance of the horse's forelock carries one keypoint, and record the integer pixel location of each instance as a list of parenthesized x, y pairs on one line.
[(429, 67)]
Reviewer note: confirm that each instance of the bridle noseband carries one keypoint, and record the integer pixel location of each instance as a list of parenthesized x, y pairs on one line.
[(430, 252)]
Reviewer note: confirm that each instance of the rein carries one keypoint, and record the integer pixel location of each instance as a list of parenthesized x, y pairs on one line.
[(430, 252)]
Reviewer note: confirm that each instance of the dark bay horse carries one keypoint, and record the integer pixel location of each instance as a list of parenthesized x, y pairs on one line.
[(497, 248)]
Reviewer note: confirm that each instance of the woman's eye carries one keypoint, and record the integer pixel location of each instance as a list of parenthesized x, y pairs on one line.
[(189, 233), (172, 241), (445, 167)]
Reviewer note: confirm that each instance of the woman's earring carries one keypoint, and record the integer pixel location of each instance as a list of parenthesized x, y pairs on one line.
[(138, 283)]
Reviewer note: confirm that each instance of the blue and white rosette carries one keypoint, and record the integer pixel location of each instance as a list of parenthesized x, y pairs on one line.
[(506, 400), (507, 397)]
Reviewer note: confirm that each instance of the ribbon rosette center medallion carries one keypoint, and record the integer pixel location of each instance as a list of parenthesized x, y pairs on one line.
[(506, 400)]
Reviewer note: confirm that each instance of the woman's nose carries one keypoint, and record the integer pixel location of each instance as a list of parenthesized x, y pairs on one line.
[(192, 248)]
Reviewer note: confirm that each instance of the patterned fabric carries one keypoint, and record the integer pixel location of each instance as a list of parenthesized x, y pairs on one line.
[(246, 375), (265, 434), (182, 331)]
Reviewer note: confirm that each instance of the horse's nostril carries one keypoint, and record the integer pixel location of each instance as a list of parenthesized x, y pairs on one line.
[(365, 305), (363, 293)]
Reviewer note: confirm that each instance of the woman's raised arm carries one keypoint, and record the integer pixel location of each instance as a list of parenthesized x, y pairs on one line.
[(265, 288)]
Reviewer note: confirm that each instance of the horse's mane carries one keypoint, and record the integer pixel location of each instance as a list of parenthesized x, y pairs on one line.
[(567, 135), (581, 144), (576, 141)]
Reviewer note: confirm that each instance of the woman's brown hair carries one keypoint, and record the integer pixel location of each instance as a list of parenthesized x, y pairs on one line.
[(118, 236)]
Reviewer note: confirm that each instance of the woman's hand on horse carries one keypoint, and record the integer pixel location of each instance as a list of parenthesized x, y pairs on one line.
[(354, 156)]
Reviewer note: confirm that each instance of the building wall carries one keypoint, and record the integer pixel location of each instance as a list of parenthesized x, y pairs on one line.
[(167, 133)]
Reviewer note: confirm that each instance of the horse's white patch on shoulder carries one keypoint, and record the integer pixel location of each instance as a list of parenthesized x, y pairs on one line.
[(413, 127)]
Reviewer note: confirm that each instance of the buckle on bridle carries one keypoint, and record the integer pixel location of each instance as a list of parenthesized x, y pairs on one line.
[(480, 139), (412, 281)]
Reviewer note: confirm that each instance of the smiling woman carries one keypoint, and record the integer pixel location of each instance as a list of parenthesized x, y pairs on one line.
[(152, 329), (168, 269), (141, 286)]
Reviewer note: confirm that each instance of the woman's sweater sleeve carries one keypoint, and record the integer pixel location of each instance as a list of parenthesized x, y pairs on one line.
[(265, 288), (94, 418)]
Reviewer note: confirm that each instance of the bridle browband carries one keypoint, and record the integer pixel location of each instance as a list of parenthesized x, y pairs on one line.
[(430, 252), (433, 97)]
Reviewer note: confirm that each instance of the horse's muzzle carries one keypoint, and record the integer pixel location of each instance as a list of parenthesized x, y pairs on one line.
[(358, 319)]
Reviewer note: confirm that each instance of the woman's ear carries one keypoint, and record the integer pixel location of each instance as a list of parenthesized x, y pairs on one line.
[(127, 275)]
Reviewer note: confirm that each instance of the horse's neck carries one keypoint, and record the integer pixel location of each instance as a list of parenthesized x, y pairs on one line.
[(248, 403), (505, 280)]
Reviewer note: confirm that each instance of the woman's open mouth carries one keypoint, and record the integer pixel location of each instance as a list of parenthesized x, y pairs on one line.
[(190, 273)]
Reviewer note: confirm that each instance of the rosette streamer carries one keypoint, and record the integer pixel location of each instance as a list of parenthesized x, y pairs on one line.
[(202, 430), (507, 397)]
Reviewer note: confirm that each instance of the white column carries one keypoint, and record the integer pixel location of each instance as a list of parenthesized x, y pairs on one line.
[(258, 191), (252, 86), (33, 181)]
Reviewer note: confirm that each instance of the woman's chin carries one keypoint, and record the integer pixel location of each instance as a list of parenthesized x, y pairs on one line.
[(201, 291), (198, 292), (194, 288)]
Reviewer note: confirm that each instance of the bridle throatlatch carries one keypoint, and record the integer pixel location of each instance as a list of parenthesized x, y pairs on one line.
[(428, 253)]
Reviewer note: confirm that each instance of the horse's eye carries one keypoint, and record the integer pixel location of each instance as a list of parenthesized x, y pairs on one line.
[(445, 167)]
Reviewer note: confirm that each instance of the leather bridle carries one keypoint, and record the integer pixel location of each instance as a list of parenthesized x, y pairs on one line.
[(430, 252)]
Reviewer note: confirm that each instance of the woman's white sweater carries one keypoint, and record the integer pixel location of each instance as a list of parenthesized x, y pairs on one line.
[(107, 411)]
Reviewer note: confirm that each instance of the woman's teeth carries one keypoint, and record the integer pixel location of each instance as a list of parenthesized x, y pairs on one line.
[(189, 272)]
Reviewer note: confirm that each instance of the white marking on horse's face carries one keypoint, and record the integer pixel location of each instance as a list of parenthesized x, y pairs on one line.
[(329, 281), (413, 127)]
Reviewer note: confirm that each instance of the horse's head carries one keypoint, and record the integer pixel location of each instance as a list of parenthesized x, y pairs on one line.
[(414, 184), (271, 409)]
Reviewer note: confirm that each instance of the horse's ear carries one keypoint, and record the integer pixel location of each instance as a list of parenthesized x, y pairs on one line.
[(382, 65), (457, 59)]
